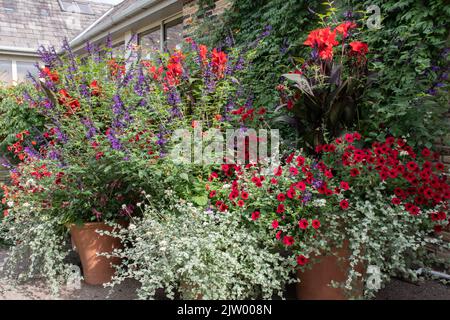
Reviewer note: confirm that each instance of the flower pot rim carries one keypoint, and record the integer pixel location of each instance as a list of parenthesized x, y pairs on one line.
[(89, 225)]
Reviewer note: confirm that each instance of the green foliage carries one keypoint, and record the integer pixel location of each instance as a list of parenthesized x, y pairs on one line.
[(16, 115), (408, 54), (402, 53)]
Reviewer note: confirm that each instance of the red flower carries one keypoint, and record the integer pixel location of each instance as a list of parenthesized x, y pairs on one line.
[(359, 47), (273, 181), (315, 224), (344, 27), (244, 195), (303, 224), (349, 138), (281, 197), (396, 201), (255, 215), (440, 166), (241, 203), (278, 171), (280, 208), (95, 89), (354, 172), (219, 62), (426, 152), (302, 260), (323, 40), (278, 235), (288, 240), (293, 171), (275, 224), (212, 194), (344, 204), (411, 166), (344, 185), (290, 104), (437, 228)]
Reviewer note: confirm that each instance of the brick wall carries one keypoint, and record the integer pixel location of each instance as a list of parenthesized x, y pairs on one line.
[(192, 16)]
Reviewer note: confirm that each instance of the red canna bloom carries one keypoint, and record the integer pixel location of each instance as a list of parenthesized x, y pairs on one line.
[(359, 48), (219, 62), (323, 40), (344, 28)]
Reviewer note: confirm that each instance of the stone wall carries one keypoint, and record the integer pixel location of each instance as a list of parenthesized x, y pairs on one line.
[(193, 13)]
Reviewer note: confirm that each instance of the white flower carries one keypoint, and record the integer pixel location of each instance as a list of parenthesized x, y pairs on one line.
[(26, 205), (319, 202), (10, 204)]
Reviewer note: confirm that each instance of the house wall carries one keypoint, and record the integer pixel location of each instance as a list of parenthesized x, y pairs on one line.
[(191, 9)]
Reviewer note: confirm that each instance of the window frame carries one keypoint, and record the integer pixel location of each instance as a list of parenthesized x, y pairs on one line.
[(159, 25)]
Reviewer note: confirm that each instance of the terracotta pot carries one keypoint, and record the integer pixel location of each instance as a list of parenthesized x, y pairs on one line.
[(315, 282), (96, 269)]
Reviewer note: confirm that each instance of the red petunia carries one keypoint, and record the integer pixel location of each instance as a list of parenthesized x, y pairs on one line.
[(344, 185), (212, 194), (354, 172), (280, 208), (275, 224), (302, 260), (315, 224), (240, 203), (281, 197), (396, 201), (303, 224), (344, 204), (255, 215), (244, 195), (288, 240)]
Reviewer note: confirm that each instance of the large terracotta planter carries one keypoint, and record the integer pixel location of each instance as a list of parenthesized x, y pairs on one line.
[(96, 269), (315, 282)]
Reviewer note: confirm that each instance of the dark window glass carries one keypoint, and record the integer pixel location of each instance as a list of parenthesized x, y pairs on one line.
[(22, 70), (5, 72), (151, 40), (173, 34)]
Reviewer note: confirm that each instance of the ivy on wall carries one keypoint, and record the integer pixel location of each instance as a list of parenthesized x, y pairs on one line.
[(408, 54)]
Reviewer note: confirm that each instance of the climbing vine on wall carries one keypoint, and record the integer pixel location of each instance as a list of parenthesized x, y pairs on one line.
[(409, 56)]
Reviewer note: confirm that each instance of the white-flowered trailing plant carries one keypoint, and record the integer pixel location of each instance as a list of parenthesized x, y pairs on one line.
[(382, 201), (37, 247), (194, 254)]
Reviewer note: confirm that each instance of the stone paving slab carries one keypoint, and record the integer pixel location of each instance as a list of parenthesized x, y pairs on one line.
[(36, 290)]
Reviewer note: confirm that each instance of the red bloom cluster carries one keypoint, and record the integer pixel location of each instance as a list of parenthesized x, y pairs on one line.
[(323, 40), (65, 99), (17, 147), (415, 184), (53, 76), (116, 69)]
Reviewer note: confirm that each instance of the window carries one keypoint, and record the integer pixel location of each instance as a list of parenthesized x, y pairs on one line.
[(5, 72), (23, 68), (173, 34), (150, 40), (118, 50), (75, 7)]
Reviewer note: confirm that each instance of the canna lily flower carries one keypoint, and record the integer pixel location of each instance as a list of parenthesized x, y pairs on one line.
[(358, 47), (344, 28)]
